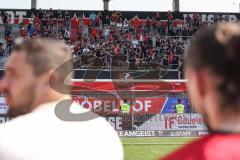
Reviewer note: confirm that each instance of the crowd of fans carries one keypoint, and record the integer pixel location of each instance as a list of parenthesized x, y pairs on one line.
[(109, 40)]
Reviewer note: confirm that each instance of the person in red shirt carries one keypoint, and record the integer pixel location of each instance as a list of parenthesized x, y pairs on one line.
[(2, 52), (94, 33), (117, 49), (212, 68)]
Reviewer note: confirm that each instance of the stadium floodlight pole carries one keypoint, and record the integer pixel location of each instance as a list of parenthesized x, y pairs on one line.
[(33, 4), (106, 5), (175, 6)]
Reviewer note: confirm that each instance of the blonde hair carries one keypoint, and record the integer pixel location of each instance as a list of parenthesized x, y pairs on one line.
[(47, 54)]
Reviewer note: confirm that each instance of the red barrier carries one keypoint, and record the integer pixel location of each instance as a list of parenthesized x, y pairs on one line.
[(172, 87)]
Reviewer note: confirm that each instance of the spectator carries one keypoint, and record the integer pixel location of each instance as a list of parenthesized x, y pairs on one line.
[(180, 108), (2, 52), (93, 17), (106, 33)]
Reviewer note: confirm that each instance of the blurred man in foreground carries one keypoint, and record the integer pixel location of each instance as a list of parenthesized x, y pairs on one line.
[(212, 69), (36, 133)]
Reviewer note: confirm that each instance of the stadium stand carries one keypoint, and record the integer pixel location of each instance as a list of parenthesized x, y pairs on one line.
[(116, 40), (115, 48)]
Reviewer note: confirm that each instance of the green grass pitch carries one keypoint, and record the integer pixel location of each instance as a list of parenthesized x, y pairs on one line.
[(151, 148)]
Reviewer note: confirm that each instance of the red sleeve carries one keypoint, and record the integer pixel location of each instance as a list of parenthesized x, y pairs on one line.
[(192, 151), (212, 147)]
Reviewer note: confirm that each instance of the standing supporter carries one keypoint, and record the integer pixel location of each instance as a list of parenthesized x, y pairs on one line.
[(2, 52), (93, 18), (180, 108), (31, 29), (22, 32)]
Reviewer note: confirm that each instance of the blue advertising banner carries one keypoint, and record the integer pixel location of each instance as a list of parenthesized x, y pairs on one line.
[(169, 106)]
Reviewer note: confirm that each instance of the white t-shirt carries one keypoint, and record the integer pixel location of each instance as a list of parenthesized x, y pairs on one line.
[(134, 43), (40, 135), (106, 32), (86, 50)]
